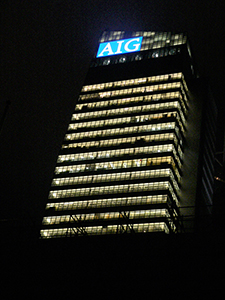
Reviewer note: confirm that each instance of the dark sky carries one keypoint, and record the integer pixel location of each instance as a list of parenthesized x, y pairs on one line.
[(47, 47)]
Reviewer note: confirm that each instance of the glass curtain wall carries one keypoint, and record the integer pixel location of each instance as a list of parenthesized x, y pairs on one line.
[(120, 165)]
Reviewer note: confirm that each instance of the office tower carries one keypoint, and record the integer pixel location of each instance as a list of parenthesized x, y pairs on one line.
[(130, 159)]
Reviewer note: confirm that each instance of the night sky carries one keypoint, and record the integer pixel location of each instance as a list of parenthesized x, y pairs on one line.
[(47, 48)]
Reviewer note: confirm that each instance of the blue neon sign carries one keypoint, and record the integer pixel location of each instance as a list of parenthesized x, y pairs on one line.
[(119, 47)]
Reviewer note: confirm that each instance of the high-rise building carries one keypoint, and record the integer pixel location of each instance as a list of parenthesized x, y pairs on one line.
[(133, 159)]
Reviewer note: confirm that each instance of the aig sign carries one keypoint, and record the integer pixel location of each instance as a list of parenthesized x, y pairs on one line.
[(119, 47)]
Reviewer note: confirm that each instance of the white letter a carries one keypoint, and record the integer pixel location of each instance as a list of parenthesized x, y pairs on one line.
[(106, 49)]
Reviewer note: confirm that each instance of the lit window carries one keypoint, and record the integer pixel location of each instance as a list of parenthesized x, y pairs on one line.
[(138, 57), (106, 62), (122, 59), (155, 54)]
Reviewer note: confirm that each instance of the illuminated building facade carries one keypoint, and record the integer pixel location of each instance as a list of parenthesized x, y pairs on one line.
[(122, 163)]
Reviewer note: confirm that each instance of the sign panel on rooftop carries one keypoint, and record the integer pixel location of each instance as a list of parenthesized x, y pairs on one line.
[(119, 47)]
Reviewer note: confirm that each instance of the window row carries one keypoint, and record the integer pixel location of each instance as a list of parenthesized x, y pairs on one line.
[(131, 91), (159, 49), (151, 107), (118, 153), (148, 44), (125, 101), (113, 177), (156, 36), (135, 81), (132, 110), (120, 131), (159, 36), (122, 164), (110, 202), (127, 140), (114, 189), (126, 120), (111, 35), (99, 230), (138, 214), (178, 154)]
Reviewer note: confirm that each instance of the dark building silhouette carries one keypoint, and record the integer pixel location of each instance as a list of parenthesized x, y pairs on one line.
[(138, 155)]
